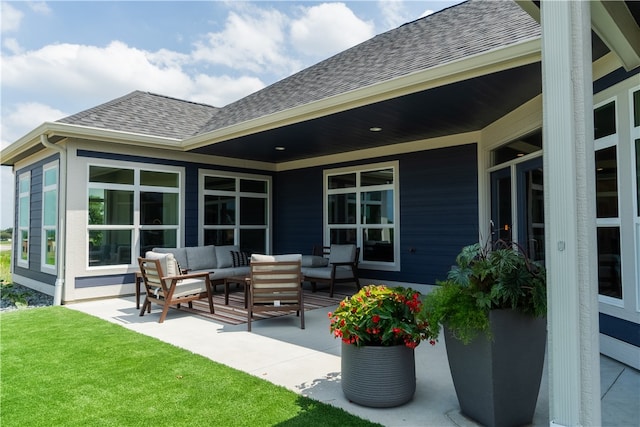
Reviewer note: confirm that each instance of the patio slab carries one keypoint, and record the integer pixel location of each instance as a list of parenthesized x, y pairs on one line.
[(308, 362)]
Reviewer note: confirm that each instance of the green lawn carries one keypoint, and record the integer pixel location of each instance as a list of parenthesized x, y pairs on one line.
[(5, 263), (61, 367)]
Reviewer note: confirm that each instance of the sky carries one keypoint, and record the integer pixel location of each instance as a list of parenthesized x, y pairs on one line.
[(62, 57)]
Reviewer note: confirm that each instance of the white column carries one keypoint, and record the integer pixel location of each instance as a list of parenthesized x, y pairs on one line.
[(569, 177)]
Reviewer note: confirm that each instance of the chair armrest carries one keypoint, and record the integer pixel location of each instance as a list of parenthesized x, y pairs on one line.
[(188, 276)]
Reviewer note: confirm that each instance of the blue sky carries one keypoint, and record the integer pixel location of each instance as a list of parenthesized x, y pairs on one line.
[(62, 57)]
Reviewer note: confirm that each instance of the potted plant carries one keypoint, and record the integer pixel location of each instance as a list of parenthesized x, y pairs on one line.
[(492, 307), (380, 327)]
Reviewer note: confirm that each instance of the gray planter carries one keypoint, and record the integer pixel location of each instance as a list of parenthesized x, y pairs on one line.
[(497, 382), (379, 377)]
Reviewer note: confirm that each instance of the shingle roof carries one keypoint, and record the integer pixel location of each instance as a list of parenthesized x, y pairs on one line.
[(454, 33), (466, 29), (147, 113)]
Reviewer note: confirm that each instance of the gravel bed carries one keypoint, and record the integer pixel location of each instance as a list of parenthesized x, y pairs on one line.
[(33, 297)]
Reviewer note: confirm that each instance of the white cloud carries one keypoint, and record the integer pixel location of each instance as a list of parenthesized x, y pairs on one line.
[(11, 45), (39, 7), (329, 28), (393, 13), (219, 91), (11, 17), (426, 13), (94, 74), (23, 118), (252, 39)]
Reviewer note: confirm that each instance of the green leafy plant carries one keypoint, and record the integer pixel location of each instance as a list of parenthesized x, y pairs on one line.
[(485, 278), (382, 316), (19, 298)]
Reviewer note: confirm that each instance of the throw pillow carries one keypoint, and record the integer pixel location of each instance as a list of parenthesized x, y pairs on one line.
[(239, 258)]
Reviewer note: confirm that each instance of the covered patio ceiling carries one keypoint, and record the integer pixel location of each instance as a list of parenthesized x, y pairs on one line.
[(456, 108), (465, 106)]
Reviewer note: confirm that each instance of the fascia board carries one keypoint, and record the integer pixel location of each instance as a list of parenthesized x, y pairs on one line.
[(518, 54), (12, 153), (614, 24)]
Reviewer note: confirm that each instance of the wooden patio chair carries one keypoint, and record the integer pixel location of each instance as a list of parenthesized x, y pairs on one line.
[(275, 284), (342, 268), (165, 285)]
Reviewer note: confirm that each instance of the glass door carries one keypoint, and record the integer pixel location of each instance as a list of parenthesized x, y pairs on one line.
[(522, 221), (531, 208)]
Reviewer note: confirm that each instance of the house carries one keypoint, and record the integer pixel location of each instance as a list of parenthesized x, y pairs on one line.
[(410, 145)]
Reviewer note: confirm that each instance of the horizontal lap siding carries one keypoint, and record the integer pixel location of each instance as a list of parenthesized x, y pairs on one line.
[(35, 226), (297, 207), (438, 213)]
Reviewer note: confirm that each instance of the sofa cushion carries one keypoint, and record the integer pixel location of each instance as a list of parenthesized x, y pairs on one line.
[(180, 254), (168, 263), (314, 261), (222, 273), (240, 258), (223, 255), (273, 258), (201, 257), (342, 253)]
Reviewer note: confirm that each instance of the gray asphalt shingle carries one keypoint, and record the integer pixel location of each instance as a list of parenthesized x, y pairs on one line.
[(470, 28), (147, 113)]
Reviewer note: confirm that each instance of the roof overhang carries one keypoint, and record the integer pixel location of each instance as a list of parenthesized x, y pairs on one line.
[(56, 132), (473, 66), (616, 23)]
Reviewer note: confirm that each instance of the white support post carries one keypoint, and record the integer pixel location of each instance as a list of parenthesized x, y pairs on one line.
[(569, 177)]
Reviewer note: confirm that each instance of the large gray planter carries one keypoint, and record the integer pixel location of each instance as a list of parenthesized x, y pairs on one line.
[(379, 377), (497, 381)]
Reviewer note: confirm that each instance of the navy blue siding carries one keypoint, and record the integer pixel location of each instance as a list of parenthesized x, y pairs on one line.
[(297, 208), (114, 279), (438, 211), (35, 225), (620, 329)]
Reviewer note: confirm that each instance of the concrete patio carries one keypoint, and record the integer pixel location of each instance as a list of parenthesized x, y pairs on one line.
[(308, 362)]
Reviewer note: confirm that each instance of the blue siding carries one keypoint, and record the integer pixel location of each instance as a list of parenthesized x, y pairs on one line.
[(297, 211), (438, 211), (35, 225), (620, 329)]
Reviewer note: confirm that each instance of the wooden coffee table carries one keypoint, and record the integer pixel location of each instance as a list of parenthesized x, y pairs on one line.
[(239, 280)]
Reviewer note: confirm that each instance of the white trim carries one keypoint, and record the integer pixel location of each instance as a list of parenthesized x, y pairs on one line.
[(358, 190), (237, 194), (44, 267), (24, 176), (136, 188)]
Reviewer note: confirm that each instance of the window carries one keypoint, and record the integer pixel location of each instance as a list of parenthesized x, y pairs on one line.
[(24, 204), (235, 210), (128, 205), (49, 215), (362, 208), (607, 201)]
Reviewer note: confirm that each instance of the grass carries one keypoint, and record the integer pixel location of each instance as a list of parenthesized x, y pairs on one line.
[(5, 262), (62, 367)]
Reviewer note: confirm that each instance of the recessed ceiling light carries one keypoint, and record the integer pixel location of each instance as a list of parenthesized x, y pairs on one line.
[(375, 129), (280, 148)]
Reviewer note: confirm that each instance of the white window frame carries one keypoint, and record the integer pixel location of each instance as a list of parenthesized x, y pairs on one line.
[(44, 267), (601, 144), (237, 194), (358, 190), (25, 176), (136, 188), (635, 135)]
